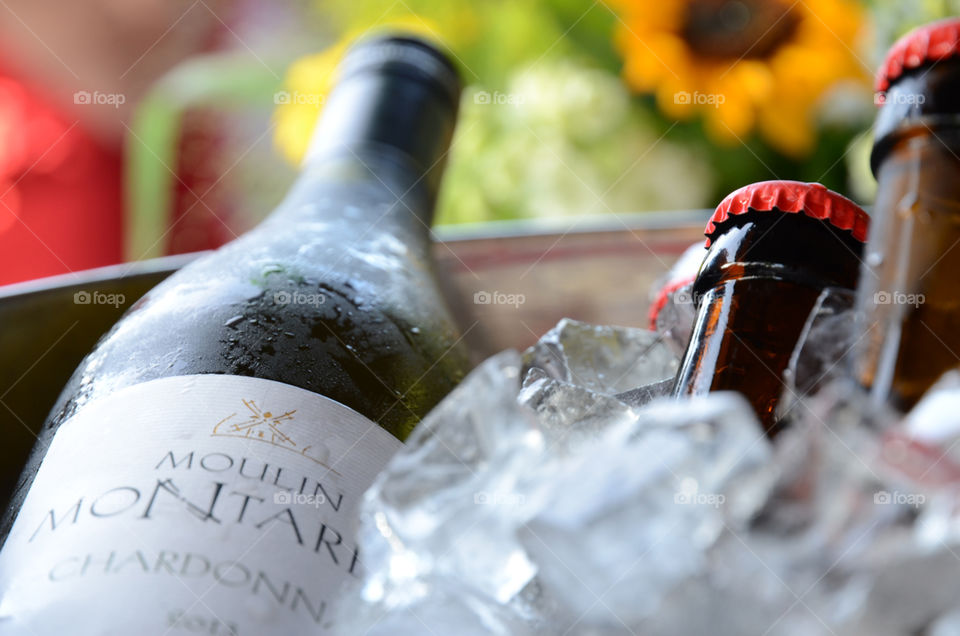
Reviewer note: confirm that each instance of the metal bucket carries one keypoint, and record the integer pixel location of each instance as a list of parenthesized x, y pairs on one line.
[(507, 283)]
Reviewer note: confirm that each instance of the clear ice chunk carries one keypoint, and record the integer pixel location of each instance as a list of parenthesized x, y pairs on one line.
[(569, 415), (603, 359), (936, 417), (673, 309), (637, 513), (823, 351), (947, 625), (446, 503), (645, 394), (557, 505), (439, 606)]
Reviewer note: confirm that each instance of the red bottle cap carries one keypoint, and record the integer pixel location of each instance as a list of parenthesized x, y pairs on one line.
[(682, 272), (931, 42), (663, 296), (811, 199)]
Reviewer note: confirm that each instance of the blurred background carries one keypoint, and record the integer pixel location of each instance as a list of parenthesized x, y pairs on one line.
[(131, 129)]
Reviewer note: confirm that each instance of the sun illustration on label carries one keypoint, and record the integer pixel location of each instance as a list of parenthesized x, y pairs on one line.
[(265, 426)]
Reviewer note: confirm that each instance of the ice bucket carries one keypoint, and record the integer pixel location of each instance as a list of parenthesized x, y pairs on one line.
[(507, 283)]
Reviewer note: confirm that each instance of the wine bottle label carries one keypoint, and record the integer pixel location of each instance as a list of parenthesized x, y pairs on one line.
[(205, 504)]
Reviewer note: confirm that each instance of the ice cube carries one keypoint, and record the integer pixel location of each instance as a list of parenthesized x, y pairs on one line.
[(440, 606), (569, 415), (936, 417), (947, 625), (823, 351), (645, 394), (556, 507), (470, 438), (603, 359), (801, 565), (446, 503), (904, 592), (672, 306), (640, 509)]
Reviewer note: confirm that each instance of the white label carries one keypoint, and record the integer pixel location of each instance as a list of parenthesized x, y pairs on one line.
[(205, 504)]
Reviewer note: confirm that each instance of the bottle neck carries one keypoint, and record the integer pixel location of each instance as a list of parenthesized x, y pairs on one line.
[(379, 148), (926, 100), (907, 299), (360, 193), (388, 121), (758, 283)]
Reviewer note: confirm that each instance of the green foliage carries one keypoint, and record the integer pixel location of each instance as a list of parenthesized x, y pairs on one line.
[(574, 140)]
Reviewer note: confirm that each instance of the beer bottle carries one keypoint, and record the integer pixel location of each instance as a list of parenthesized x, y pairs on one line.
[(671, 309), (773, 247), (909, 295)]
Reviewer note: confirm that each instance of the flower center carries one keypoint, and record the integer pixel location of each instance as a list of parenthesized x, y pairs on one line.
[(738, 28)]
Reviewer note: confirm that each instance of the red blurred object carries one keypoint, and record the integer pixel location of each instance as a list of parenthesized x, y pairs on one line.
[(60, 190), (202, 212), (662, 297)]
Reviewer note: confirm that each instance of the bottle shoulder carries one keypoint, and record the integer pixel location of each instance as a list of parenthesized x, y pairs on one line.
[(359, 321)]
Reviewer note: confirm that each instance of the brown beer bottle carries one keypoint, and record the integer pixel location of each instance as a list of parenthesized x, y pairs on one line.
[(772, 248), (909, 295)]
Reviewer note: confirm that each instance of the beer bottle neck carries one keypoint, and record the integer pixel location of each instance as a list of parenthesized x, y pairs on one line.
[(924, 100), (762, 276)]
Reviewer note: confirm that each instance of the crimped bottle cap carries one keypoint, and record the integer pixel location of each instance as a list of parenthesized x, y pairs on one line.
[(932, 42), (683, 272), (792, 197), (663, 295)]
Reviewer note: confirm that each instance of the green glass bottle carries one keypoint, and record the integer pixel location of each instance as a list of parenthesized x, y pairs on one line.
[(202, 467)]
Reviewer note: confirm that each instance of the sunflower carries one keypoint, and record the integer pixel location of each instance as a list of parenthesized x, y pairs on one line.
[(741, 64)]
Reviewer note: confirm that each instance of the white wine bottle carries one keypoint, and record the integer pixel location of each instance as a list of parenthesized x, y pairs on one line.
[(201, 470)]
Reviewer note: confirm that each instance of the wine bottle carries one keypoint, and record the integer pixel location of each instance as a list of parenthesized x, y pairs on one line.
[(201, 469)]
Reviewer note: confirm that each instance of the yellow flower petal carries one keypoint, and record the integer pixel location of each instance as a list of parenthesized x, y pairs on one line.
[(731, 119), (777, 93), (644, 16), (755, 79), (658, 58), (788, 128)]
